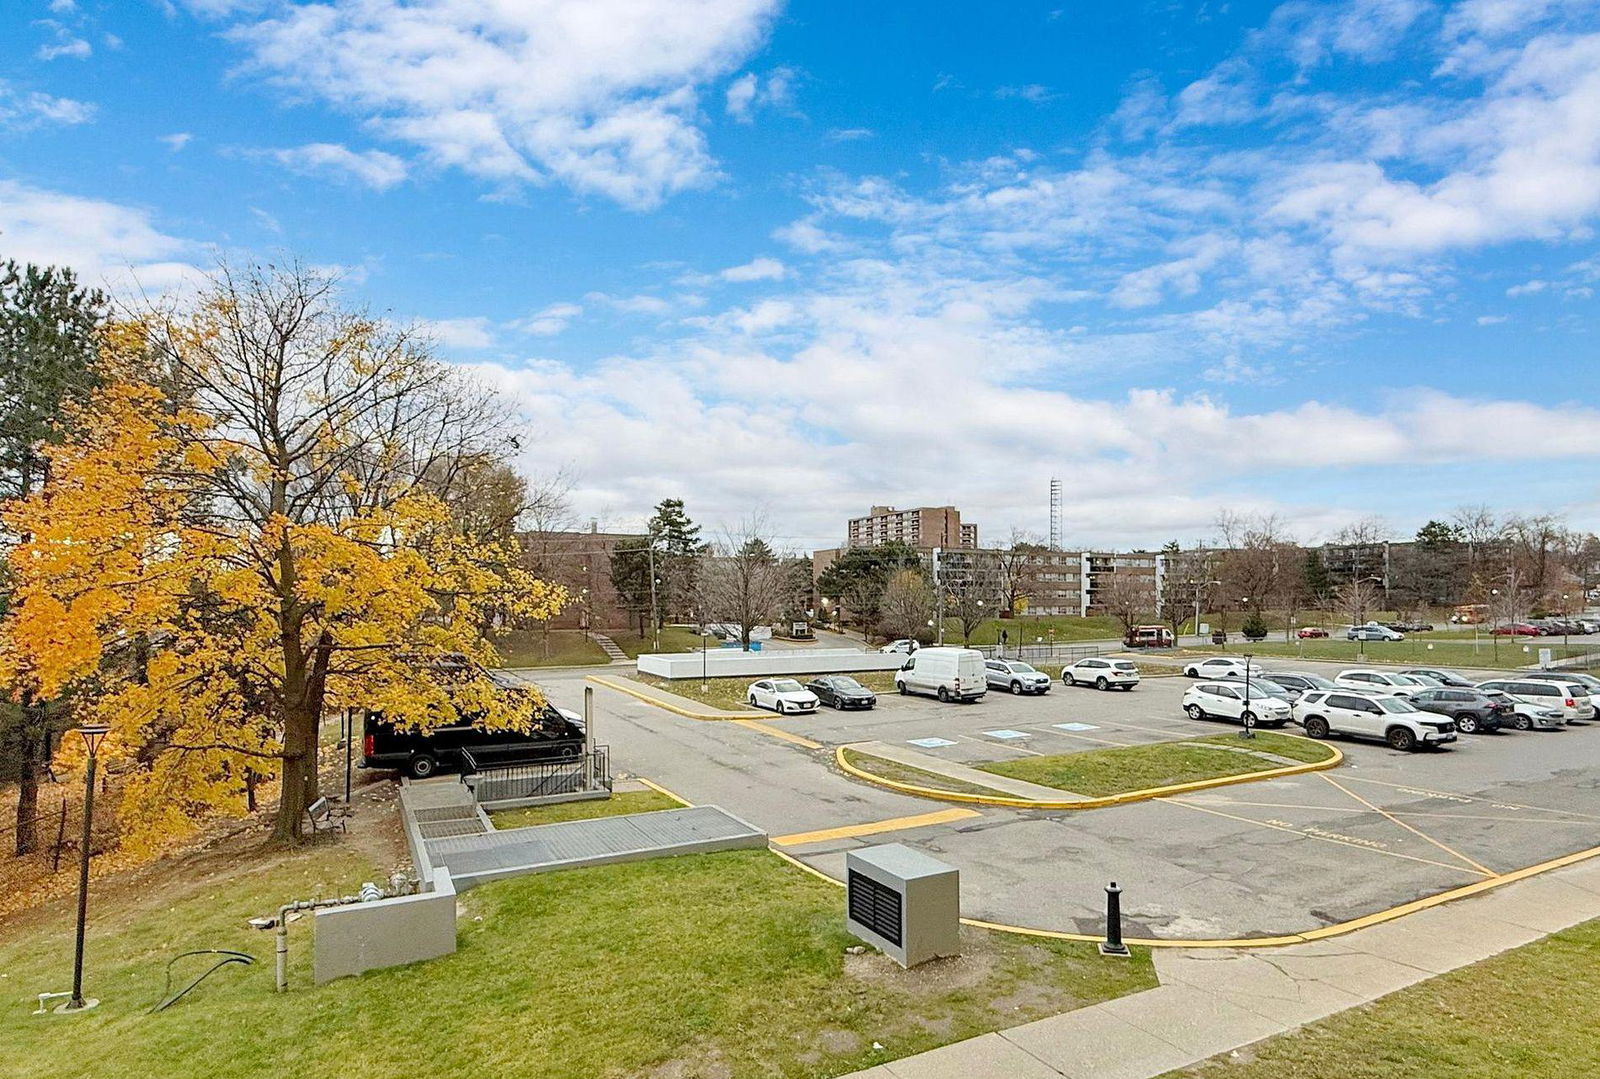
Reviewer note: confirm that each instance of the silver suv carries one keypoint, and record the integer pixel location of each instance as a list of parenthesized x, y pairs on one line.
[(1400, 723), (1015, 676)]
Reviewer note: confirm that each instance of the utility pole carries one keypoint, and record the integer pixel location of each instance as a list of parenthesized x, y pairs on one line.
[(938, 596), (655, 617)]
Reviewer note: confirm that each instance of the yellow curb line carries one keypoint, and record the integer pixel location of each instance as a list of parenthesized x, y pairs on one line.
[(776, 733), (659, 789), (686, 713), (1124, 798), (897, 824), (1323, 933)]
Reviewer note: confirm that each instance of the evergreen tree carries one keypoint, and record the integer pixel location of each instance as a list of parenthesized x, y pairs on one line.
[(1319, 585), (678, 548)]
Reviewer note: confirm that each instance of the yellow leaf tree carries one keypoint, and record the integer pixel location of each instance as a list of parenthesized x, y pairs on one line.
[(255, 524)]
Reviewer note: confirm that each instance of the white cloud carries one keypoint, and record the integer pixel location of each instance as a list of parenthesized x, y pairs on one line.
[(850, 134), (457, 333), (550, 320), (1032, 92), (22, 110), (1527, 288), (371, 168), (176, 141), (640, 304), (64, 43), (760, 269), (106, 243), (601, 95), (749, 92), (1492, 320)]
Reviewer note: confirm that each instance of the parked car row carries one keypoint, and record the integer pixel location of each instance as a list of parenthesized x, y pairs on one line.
[(1548, 627), (1407, 709)]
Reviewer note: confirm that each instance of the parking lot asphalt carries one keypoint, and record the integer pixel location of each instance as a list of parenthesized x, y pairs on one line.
[(1260, 859)]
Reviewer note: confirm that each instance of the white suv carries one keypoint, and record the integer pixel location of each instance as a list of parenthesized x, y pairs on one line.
[(1101, 673), (1543, 704), (1390, 719), (1219, 667), (1225, 700), (1399, 685)]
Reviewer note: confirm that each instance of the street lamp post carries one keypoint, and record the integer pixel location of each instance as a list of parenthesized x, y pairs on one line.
[(705, 684), (1247, 719), (93, 734), (1494, 623)]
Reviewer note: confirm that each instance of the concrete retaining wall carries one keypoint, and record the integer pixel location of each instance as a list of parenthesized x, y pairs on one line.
[(783, 661), (385, 932)]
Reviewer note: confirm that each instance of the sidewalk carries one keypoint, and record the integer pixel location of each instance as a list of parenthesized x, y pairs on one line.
[(1213, 1001), (683, 706)]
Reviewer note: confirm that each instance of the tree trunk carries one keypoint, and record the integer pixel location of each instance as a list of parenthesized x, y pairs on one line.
[(297, 788), (27, 786)]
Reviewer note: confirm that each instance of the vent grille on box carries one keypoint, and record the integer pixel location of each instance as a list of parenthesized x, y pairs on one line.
[(875, 906)]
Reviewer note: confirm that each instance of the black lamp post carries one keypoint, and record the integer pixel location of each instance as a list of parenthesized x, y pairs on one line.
[(93, 734)]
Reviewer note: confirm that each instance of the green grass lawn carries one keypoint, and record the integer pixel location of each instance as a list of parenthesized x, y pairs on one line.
[(730, 692), (615, 806), (1100, 772), (1473, 1023), (1421, 651), (673, 639), (728, 964), (1023, 630), (905, 773), (565, 648)]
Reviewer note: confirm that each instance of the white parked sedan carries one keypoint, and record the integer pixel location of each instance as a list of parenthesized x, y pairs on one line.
[(1102, 673), (1219, 667), (1399, 685), (1226, 700), (784, 696)]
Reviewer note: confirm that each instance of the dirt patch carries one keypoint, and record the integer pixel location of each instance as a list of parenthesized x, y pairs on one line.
[(935, 978)]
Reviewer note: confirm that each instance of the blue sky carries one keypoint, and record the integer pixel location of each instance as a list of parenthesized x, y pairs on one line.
[(1322, 260)]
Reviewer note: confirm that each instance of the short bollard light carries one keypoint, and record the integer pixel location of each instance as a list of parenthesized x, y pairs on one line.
[(1113, 943)]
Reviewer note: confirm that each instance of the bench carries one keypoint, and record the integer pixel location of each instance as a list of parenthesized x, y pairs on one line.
[(322, 818)]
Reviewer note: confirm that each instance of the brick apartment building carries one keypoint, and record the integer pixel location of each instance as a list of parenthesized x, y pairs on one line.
[(924, 528), (580, 560)]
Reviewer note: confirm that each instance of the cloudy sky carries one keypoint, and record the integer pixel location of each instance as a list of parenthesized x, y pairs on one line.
[(1321, 259)]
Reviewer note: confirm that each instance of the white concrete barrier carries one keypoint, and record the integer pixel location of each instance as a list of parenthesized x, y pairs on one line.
[(735, 664), (385, 932)]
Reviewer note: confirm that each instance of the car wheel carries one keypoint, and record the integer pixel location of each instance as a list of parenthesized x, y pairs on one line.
[(423, 766), (838, 703), (1192, 672), (568, 753), (1016, 687), (944, 694), (1195, 711), (1524, 723), (1467, 724), (753, 703), (1101, 683), (1067, 679), (1402, 739), (1247, 718), (1316, 727)]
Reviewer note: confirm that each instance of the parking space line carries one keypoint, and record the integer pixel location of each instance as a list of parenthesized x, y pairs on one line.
[(1469, 816), (896, 824), (787, 736), (1083, 737), (1310, 835), (997, 743), (1452, 796), (1474, 863)]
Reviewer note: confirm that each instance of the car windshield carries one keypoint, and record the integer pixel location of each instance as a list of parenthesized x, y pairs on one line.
[(1317, 680), (1268, 689), (1022, 668), (847, 683), (787, 685), (1420, 680), (1395, 704)]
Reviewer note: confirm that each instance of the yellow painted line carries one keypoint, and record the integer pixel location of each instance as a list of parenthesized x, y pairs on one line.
[(667, 705), (659, 789), (1125, 798), (897, 824), (1479, 866), (1305, 937), (1320, 838), (776, 733)]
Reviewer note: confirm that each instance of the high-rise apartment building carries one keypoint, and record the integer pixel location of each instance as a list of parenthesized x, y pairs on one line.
[(925, 527)]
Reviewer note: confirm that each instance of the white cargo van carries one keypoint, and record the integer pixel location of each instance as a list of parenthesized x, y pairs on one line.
[(951, 674)]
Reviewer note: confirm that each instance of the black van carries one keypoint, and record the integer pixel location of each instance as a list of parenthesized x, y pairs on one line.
[(423, 754)]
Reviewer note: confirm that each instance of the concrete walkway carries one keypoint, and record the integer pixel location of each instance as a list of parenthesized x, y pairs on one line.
[(609, 647), (1212, 1001), (672, 702)]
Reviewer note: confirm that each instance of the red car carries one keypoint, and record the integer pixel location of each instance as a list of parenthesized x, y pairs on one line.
[(1306, 632), (1515, 629)]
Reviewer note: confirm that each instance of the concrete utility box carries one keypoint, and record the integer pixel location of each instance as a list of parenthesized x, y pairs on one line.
[(903, 902)]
